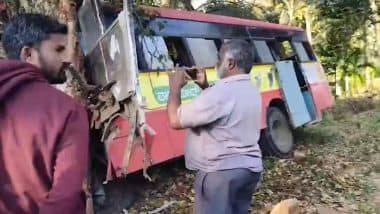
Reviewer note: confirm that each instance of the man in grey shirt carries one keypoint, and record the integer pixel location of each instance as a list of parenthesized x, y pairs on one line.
[(223, 131)]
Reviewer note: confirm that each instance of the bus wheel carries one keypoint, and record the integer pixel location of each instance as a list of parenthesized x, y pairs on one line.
[(277, 139)]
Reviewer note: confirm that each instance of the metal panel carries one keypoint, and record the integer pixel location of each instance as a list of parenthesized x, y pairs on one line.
[(312, 73), (204, 52), (119, 54), (185, 28), (91, 24), (96, 67), (295, 102), (192, 29), (319, 85), (114, 54), (310, 104)]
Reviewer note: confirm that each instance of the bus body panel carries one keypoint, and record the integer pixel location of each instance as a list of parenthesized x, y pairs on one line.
[(154, 88), (319, 87), (168, 143), (322, 98)]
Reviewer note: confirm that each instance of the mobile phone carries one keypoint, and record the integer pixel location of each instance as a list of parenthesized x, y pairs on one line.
[(192, 72)]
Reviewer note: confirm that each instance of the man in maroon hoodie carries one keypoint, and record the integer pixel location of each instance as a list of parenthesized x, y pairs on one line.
[(43, 132)]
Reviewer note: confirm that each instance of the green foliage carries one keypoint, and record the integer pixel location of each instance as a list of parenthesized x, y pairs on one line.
[(339, 20), (377, 71), (230, 8)]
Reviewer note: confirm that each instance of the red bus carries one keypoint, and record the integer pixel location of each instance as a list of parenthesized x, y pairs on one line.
[(136, 47)]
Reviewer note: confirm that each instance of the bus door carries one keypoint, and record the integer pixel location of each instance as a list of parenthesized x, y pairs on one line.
[(295, 52), (294, 99), (318, 93)]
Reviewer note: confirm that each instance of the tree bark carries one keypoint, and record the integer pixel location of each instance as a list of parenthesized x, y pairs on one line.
[(308, 20), (166, 3)]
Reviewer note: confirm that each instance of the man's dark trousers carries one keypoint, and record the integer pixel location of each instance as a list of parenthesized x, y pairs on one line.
[(225, 192)]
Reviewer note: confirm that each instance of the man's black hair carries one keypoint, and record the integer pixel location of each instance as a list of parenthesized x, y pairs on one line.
[(29, 30)]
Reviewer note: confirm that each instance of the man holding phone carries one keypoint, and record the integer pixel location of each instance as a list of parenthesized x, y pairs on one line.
[(223, 126)]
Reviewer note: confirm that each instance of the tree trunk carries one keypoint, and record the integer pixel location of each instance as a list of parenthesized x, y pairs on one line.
[(290, 10), (308, 20), (376, 9), (166, 3)]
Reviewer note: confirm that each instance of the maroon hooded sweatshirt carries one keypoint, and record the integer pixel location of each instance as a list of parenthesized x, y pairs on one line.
[(44, 140)]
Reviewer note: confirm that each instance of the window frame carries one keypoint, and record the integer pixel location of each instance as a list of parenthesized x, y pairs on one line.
[(193, 55), (143, 64), (256, 51), (309, 50)]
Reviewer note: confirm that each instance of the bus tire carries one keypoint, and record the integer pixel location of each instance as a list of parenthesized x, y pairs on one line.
[(277, 139)]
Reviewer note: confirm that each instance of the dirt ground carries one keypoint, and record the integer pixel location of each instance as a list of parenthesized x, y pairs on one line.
[(335, 169)]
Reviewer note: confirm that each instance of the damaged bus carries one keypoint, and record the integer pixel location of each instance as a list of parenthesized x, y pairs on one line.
[(129, 50)]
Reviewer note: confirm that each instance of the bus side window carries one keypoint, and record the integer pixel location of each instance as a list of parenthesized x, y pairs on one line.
[(263, 53), (286, 49), (204, 52), (91, 26), (178, 52), (274, 49), (301, 52), (155, 54)]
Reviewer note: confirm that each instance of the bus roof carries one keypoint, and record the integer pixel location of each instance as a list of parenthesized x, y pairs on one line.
[(218, 19)]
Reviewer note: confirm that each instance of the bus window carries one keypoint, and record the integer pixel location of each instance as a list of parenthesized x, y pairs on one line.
[(91, 25), (301, 52), (263, 52), (178, 52), (155, 53), (274, 49), (286, 50), (204, 52)]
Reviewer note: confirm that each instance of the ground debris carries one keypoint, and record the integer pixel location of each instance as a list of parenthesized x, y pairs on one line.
[(163, 207), (328, 172)]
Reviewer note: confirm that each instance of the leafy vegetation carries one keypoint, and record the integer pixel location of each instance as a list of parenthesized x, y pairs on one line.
[(345, 33)]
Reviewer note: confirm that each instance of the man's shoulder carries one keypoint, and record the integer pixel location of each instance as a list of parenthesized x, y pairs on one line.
[(44, 94), (214, 92)]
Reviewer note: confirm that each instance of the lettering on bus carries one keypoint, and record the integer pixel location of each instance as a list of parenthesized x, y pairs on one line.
[(189, 92)]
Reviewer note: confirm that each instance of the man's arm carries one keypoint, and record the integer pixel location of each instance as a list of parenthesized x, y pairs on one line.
[(177, 80), (173, 105), (70, 169)]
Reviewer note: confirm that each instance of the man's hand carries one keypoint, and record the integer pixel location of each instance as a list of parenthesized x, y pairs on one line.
[(201, 80), (177, 79)]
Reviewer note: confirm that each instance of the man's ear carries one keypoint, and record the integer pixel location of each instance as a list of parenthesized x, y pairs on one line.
[(231, 64), (26, 54)]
